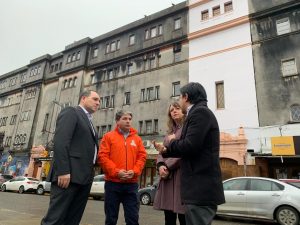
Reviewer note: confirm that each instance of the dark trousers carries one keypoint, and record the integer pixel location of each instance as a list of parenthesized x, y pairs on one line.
[(116, 193), (199, 215), (66, 205), (170, 218)]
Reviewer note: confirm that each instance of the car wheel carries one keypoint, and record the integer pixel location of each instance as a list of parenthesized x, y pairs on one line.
[(3, 188), (40, 190), (21, 189), (145, 199), (286, 215)]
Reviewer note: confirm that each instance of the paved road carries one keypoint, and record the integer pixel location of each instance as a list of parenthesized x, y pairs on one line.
[(28, 209)]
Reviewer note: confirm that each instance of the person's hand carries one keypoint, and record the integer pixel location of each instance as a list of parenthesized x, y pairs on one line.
[(171, 137), (122, 174), (130, 174), (63, 181), (159, 147), (163, 172)]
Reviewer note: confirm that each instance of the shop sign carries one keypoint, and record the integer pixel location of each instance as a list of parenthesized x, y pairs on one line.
[(283, 145)]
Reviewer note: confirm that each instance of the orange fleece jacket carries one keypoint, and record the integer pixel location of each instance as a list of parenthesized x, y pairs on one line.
[(116, 153)]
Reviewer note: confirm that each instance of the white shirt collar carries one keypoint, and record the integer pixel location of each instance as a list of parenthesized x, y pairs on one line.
[(86, 112)]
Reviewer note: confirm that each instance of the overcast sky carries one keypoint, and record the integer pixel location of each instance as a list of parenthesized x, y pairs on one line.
[(32, 28)]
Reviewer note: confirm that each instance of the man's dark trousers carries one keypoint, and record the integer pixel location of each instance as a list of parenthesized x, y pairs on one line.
[(125, 193), (66, 205)]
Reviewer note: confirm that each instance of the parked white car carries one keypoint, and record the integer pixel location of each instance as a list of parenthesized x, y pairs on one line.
[(20, 184), (97, 190), (261, 198), (43, 186)]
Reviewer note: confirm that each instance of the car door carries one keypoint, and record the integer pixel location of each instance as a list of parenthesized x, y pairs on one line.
[(10, 184), (98, 185), (235, 191), (263, 197)]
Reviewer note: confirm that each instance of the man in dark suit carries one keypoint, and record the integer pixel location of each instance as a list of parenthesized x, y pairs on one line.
[(75, 152), (198, 148)]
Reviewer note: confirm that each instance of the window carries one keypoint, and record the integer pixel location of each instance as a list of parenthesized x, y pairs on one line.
[(129, 69), (295, 113), (176, 88), (177, 23), (283, 26), (8, 141), (3, 121), (13, 119), (220, 95), (132, 39), (103, 131), (70, 82), (228, 6), (146, 34), (113, 46), (140, 130), (177, 56), (25, 116), (95, 52), (108, 127), (56, 67), (78, 55), (93, 79), (235, 185), (75, 81), (69, 59), (22, 77), (112, 101), (288, 67), (106, 101), (118, 44), (153, 32), (150, 94), (65, 83), (60, 65), (204, 15), (155, 126), (160, 29), (156, 92), (45, 122), (39, 69), (142, 98), (110, 74), (127, 98), (73, 57), (152, 63), (216, 10), (107, 48), (149, 127)]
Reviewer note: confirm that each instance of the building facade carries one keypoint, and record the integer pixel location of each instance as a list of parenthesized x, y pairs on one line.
[(138, 67), (220, 58), (275, 27)]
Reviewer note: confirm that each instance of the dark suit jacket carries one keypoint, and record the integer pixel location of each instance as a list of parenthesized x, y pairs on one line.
[(74, 146), (198, 146)]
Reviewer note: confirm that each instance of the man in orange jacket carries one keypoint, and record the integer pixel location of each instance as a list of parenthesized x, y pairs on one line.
[(122, 156)]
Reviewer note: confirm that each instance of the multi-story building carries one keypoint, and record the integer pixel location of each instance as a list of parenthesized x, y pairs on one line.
[(275, 30), (220, 58), (138, 67), (19, 104)]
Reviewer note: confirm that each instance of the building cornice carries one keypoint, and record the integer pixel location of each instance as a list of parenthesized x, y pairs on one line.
[(219, 27), (199, 2)]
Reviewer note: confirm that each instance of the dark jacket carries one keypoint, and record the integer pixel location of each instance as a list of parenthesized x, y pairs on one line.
[(198, 147), (74, 146)]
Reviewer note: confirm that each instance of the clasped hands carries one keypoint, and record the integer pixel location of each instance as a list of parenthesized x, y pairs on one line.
[(160, 147), (125, 174), (163, 172)]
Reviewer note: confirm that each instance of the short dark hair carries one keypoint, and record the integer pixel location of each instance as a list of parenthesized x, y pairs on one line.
[(195, 92), (85, 93), (120, 113)]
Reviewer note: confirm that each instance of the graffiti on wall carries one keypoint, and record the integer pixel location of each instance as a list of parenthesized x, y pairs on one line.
[(13, 165)]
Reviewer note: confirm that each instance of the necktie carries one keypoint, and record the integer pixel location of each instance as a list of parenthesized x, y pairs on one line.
[(90, 119)]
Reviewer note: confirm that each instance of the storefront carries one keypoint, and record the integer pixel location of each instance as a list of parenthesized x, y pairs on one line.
[(284, 162)]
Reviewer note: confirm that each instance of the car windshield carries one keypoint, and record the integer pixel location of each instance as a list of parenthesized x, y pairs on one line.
[(295, 184)]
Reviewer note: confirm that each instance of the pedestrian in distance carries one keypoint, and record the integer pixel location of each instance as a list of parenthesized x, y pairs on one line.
[(75, 154), (167, 197), (122, 157), (198, 147)]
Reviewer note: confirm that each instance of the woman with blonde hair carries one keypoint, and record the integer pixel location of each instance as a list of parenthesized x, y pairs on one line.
[(167, 197)]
